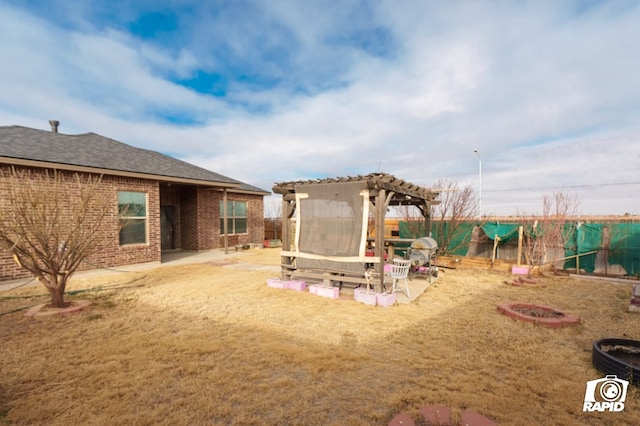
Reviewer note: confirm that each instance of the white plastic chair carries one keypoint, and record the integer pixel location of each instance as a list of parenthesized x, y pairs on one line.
[(399, 272)]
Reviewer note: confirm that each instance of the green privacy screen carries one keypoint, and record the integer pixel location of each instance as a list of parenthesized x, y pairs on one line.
[(618, 244), (612, 243), (452, 238)]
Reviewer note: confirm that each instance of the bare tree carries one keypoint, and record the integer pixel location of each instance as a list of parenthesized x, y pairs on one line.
[(545, 235), (457, 207), (51, 222), (413, 220), (273, 214)]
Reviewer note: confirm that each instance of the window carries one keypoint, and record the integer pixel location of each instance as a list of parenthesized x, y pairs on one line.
[(236, 217), (132, 212)]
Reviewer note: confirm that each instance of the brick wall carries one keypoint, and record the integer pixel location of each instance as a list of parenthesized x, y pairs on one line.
[(197, 221), (115, 254), (188, 218), (208, 218), (109, 252), (211, 236), (256, 218)]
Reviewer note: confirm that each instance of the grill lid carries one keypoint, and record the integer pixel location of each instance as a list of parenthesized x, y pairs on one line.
[(425, 243)]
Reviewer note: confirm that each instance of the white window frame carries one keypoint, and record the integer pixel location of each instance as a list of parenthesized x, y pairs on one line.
[(144, 218)]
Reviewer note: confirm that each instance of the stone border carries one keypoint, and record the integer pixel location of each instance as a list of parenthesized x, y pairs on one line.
[(522, 281), (565, 320), (43, 311)]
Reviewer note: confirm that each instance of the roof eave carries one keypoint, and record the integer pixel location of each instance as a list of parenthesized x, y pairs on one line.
[(244, 191)]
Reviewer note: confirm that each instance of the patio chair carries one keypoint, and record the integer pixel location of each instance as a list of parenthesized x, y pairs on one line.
[(399, 272)]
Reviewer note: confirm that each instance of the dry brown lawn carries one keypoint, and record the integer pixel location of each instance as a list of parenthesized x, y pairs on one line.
[(208, 344)]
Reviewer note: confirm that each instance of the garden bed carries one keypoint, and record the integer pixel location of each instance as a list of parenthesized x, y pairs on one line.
[(543, 315)]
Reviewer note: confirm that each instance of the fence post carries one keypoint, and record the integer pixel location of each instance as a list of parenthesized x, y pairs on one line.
[(520, 232), (578, 249)]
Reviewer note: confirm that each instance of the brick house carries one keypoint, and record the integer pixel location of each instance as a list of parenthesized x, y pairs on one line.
[(182, 203)]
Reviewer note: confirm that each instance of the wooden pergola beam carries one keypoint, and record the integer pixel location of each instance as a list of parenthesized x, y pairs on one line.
[(374, 181)]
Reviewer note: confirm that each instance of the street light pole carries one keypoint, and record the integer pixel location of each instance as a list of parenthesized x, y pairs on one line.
[(479, 184)]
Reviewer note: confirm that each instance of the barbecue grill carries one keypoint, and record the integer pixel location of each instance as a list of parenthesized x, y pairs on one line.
[(422, 254)]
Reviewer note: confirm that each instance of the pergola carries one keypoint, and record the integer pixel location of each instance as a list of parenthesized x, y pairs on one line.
[(325, 225)]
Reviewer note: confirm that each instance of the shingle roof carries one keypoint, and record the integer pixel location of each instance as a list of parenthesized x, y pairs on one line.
[(95, 151)]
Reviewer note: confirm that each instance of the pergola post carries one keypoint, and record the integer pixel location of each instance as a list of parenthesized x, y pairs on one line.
[(288, 208), (427, 219), (380, 213)]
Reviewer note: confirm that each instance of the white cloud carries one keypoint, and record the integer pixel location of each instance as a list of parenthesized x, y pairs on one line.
[(546, 93)]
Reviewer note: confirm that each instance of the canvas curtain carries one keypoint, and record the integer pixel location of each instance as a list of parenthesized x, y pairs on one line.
[(331, 225)]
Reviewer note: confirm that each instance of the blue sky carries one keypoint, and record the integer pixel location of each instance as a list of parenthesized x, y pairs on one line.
[(269, 91)]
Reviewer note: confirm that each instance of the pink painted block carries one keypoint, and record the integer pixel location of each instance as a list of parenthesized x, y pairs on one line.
[(313, 289), (520, 270), (388, 267), (368, 298), (276, 283), (297, 285), (357, 291), (330, 292), (386, 300)]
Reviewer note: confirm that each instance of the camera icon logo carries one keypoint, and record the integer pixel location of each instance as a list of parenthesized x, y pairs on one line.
[(606, 394)]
